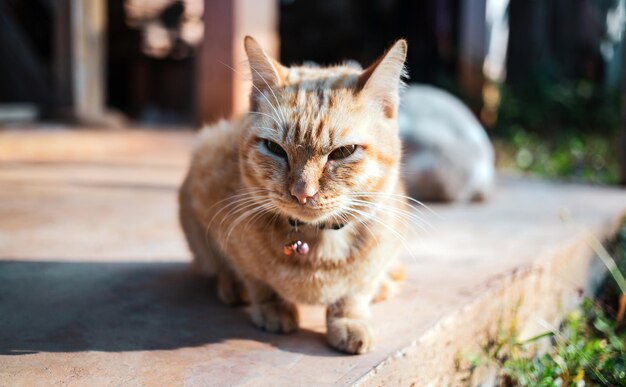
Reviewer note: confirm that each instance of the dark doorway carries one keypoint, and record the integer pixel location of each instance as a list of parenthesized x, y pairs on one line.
[(151, 63)]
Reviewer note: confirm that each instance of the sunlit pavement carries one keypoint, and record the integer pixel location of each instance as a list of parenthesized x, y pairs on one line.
[(95, 287)]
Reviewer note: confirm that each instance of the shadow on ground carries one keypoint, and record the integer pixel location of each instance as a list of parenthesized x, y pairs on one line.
[(76, 306)]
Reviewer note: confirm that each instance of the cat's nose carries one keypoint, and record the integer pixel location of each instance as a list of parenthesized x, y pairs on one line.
[(303, 192)]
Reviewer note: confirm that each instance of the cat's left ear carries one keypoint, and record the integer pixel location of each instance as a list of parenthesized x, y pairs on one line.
[(381, 81), (266, 72)]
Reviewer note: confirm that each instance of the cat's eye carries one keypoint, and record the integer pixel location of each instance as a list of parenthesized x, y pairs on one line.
[(275, 148), (342, 152)]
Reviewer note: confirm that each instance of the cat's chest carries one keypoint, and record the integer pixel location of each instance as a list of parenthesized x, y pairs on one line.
[(333, 265), (335, 261), (329, 251), (332, 245)]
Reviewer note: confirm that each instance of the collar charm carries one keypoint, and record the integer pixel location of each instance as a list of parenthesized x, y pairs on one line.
[(298, 247)]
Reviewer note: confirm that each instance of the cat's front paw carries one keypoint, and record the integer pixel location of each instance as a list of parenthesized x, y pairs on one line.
[(275, 316), (350, 335)]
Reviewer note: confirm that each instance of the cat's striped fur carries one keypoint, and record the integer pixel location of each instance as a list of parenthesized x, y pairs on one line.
[(241, 190)]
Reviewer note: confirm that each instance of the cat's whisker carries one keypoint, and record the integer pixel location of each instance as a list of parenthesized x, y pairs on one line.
[(246, 196), (417, 220), (268, 208), (407, 221), (271, 90), (238, 206), (258, 90), (275, 215), (238, 199), (266, 115), (400, 218), (362, 222), (271, 222), (267, 128), (242, 207), (418, 215), (402, 214), (249, 196), (272, 209), (244, 215), (398, 196), (369, 230), (395, 233), (248, 191), (235, 207), (382, 223), (379, 195), (249, 210)]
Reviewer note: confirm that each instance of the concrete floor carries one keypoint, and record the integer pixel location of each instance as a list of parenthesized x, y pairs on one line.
[(95, 287)]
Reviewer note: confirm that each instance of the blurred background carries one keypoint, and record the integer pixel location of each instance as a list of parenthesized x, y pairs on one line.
[(547, 78)]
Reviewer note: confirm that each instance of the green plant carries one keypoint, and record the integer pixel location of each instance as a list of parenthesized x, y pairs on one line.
[(588, 349), (557, 128), (589, 158)]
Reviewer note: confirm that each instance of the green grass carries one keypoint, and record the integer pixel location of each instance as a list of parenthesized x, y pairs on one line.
[(556, 128), (579, 157), (589, 349)]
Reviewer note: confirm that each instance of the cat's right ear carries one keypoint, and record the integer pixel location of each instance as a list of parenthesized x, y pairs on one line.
[(381, 81), (266, 72)]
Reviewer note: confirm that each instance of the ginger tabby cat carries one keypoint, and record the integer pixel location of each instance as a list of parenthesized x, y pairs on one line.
[(301, 200)]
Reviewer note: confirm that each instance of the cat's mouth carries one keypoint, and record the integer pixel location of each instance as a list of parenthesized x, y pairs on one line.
[(310, 213)]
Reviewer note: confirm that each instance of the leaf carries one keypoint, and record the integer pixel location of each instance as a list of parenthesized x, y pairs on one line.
[(609, 262), (535, 338)]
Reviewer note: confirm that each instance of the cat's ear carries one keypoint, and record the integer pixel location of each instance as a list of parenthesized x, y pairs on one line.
[(266, 72), (381, 81)]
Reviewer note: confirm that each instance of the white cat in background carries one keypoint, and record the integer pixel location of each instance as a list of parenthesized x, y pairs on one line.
[(447, 154)]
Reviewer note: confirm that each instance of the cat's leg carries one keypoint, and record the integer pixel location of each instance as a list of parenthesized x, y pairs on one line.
[(230, 289), (391, 283), (269, 311), (348, 326), (207, 257)]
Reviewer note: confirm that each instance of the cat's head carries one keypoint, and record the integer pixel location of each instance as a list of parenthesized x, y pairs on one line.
[(317, 138)]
